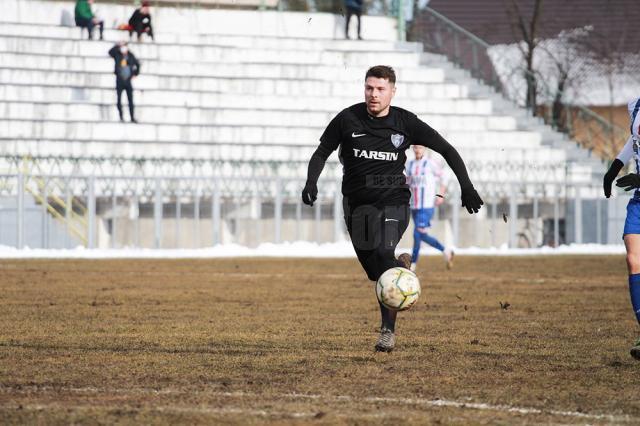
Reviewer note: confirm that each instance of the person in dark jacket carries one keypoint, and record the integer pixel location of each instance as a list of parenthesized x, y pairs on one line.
[(85, 18), (140, 21), (126, 69), (354, 7)]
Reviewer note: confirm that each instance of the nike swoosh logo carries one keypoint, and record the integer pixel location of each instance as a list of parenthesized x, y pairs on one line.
[(391, 220), (356, 135)]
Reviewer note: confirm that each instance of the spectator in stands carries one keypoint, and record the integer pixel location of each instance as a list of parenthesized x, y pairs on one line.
[(85, 18), (127, 68), (354, 7), (140, 21)]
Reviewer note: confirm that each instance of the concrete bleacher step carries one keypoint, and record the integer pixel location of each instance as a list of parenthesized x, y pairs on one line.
[(104, 64), (195, 99), (94, 147), (220, 40), (580, 162), (258, 86), (227, 116), (194, 53), (250, 133), (549, 137)]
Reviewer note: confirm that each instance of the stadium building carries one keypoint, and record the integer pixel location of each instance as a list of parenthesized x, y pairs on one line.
[(230, 105)]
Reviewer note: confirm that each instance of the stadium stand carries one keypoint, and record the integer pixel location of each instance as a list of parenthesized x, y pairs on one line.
[(246, 86)]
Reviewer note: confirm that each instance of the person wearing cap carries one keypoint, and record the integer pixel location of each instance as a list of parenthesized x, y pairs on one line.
[(127, 68), (140, 21)]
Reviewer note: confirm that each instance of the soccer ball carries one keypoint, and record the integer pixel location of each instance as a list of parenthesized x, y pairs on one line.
[(398, 289)]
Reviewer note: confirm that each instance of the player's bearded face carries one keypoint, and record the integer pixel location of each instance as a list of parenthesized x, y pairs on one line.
[(378, 93)]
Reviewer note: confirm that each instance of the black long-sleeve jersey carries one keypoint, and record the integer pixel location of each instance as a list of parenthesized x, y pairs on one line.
[(372, 152)]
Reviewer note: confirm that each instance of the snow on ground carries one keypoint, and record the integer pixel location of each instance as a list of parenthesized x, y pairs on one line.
[(295, 249)]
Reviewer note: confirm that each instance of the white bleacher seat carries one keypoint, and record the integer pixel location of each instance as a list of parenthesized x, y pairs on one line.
[(227, 84)]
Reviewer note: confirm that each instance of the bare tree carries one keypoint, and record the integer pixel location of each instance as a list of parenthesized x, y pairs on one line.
[(604, 48), (526, 28), (564, 56)]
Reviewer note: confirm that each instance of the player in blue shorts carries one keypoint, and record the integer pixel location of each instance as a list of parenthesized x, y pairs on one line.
[(631, 234), (426, 180)]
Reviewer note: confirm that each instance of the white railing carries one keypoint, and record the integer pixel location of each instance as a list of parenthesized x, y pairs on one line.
[(104, 211)]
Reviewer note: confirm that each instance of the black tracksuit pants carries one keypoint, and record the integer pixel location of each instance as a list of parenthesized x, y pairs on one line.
[(352, 11), (375, 233), (125, 85)]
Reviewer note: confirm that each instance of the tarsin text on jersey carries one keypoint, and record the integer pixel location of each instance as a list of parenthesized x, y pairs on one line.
[(375, 155)]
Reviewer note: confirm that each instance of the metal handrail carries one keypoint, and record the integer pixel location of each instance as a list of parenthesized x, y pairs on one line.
[(609, 132), (458, 28)]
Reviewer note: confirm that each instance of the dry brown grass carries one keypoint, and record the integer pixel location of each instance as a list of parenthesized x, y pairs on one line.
[(291, 341)]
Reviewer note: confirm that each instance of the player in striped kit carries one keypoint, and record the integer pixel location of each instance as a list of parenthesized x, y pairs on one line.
[(426, 180), (631, 233)]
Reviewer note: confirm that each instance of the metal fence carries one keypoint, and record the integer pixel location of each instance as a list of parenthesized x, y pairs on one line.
[(62, 211)]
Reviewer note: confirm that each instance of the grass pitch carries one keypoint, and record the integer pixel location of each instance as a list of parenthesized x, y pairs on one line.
[(495, 340)]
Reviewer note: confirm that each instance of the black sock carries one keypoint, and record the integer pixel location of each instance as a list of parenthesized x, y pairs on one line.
[(388, 318)]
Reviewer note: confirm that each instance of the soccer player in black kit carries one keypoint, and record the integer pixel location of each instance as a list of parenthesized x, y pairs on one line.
[(372, 138)]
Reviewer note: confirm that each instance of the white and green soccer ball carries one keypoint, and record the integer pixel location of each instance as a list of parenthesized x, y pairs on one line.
[(398, 289)]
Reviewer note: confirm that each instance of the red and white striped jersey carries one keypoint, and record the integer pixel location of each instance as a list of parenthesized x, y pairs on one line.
[(424, 177)]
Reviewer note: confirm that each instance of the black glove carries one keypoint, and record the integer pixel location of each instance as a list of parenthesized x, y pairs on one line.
[(309, 193), (629, 182), (611, 174), (471, 200)]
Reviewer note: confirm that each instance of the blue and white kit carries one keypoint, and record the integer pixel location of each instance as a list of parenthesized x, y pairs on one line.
[(425, 177), (632, 149)]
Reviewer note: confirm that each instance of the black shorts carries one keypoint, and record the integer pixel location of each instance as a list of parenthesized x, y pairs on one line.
[(375, 232)]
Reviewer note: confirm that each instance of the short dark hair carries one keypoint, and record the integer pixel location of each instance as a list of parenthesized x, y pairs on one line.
[(382, 71)]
